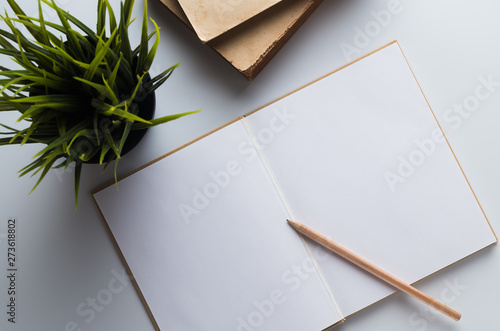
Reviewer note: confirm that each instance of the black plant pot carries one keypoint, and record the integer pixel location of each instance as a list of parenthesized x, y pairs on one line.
[(146, 111), (146, 106)]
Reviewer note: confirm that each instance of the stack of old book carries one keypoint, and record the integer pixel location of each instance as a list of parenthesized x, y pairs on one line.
[(246, 33)]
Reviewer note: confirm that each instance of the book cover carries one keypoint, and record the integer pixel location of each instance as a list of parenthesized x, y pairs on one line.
[(211, 18)]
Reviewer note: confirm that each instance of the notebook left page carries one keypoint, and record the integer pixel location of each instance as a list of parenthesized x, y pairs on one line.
[(204, 234)]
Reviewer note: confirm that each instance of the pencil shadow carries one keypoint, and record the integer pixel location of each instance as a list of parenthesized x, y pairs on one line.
[(399, 310), (407, 310)]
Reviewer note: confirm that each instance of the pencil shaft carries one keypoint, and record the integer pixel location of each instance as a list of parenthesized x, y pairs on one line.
[(376, 271)]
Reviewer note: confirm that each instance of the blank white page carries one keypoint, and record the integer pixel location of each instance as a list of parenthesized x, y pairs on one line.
[(360, 158), (204, 233)]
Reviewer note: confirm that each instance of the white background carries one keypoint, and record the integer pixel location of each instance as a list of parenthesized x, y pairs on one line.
[(66, 258)]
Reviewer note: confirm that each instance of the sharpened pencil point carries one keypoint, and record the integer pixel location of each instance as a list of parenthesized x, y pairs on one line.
[(292, 223)]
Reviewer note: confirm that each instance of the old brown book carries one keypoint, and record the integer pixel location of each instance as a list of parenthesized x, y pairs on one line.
[(251, 45), (212, 18)]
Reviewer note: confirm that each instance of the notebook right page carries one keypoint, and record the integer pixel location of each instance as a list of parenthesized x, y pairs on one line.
[(359, 157)]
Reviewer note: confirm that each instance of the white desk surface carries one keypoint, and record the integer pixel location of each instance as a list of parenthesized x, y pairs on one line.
[(70, 275)]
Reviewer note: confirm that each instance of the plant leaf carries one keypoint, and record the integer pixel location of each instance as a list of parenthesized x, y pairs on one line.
[(45, 165), (16, 54), (20, 13), (43, 28), (84, 132), (98, 87), (162, 120), (136, 89), (114, 73), (108, 138), (59, 100), (85, 29), (109, 92), (104, 150), (127, 10), (101, 19), (65, 138), (98, 58), (152, 53), (143, 51), (46, 82), (78, 174), (112, 17), (72, 38), (125, 44)]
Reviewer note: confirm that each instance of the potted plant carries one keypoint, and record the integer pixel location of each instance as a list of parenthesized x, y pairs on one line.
[(84, 94)]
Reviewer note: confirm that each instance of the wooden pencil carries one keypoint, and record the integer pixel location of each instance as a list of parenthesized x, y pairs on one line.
[(376, 271)]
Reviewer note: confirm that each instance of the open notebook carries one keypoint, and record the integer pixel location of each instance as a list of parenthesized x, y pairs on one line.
[(356, 155)]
